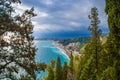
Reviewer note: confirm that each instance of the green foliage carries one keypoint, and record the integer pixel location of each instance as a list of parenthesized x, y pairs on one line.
[(17, 53), (71, 74), (65, 71), (50, 69), (71, 63), (58, 70), (88, 70), (112, 9), (109, 74), (89, 65), (80, 67), (95, 41)]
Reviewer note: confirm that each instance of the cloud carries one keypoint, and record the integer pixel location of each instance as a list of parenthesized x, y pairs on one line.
[(19, 9), (47, 28), (58, 16), (41, 14), (47, 2), (43, 28), (76, 24), (79, 10)]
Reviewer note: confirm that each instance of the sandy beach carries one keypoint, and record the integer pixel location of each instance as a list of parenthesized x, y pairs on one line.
[(65, 50), (62, 48)]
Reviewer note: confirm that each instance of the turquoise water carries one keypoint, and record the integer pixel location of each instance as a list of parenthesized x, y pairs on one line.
[(47, 51)]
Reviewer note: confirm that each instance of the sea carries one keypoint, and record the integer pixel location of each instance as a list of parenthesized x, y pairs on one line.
[(47, 51)]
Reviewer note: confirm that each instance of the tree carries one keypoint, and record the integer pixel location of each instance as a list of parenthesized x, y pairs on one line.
[(65, 71), (50, 68), (95, 41), (112, 9), (58, 70), (18, 52), (71, 68), (71, 63), (88, 72), (87, 64), (91, 55)]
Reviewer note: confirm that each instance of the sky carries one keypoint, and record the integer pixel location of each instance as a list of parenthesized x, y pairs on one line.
[(63, 18)]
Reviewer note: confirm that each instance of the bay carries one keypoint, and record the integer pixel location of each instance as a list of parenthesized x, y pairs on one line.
[(47, 51)]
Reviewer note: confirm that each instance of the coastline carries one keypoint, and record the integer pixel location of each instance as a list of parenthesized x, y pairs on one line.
[(64, 50), (61, 48)]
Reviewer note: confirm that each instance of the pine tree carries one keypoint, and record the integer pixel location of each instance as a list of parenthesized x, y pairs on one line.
[(50, 68), (58, 71), (112, 9), (71, 63), (87, 65), (95, 41), (17, 53), (65, 71), (91, 54), (71, 68)]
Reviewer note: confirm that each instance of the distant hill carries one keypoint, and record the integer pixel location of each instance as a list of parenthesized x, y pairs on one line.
[(103, 40), (74, 44), (82, 40)]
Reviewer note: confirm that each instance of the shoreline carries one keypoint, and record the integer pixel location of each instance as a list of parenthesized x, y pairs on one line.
[(62, 49), (65, 51)]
